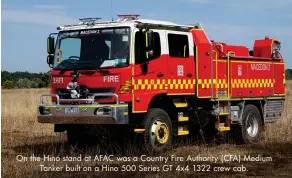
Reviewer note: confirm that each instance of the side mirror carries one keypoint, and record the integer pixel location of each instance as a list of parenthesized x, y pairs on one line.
[(149, 46), (149, 35), (51, 45), (50, 60), (150, 54)]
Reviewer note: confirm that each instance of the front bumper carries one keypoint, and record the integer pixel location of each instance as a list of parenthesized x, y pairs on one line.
[(92, 113)]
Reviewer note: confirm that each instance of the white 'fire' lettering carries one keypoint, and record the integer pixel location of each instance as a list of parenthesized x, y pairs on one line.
[(111, 79)]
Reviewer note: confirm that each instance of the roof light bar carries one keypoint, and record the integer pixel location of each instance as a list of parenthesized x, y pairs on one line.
[(89, 21), (129, 16)]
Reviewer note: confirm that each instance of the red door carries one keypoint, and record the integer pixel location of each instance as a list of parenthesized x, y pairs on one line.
[(149, 78), (180, 63)]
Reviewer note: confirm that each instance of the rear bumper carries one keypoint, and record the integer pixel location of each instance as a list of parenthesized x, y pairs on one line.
[(93, 113)]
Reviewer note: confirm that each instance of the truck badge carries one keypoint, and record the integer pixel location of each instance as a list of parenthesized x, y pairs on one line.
[(180, 70), (239, 71)]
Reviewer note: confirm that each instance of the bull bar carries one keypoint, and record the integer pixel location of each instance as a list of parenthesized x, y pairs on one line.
[(90, 113)]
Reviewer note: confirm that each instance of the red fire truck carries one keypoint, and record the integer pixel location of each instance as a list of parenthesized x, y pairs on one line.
[(159, 79)]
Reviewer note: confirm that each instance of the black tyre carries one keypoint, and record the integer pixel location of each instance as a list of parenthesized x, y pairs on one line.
[(251, 128), (158, 131)]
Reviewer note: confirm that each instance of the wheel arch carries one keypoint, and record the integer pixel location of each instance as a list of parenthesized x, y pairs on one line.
[(164, 102)]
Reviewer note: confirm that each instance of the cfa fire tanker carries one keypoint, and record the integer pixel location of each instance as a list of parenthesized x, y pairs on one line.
[(159, 79)]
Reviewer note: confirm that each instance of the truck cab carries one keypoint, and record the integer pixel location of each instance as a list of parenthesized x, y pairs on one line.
[(105, 72)]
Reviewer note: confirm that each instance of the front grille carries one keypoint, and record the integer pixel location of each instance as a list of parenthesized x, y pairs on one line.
[(65, 94)]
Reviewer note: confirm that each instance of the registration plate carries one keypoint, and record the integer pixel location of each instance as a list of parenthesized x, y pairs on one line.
[(71, 110)]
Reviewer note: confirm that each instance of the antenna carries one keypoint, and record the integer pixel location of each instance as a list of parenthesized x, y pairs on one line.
[(111, 6)]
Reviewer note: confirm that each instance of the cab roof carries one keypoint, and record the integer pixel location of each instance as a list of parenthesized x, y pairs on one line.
[(97, 23)]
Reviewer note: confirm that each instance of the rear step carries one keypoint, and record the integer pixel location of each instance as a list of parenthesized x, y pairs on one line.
[(223, 129), (223, 122), (224, 114), (223, 126), (223, 117)]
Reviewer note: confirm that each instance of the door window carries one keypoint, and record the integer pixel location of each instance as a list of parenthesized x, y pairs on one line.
[(140, 53), (178, 45)]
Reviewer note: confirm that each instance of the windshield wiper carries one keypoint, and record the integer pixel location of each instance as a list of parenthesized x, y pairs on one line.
[(87, 66), (78, 65), (95, 70)]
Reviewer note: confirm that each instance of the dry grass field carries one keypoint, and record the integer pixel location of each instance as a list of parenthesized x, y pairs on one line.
[(22, 135)]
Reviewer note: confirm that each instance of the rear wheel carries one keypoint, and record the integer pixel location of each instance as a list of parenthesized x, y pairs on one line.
[(252, 125), (158, 131)]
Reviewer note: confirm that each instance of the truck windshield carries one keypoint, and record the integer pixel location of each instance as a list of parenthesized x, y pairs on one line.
[(92, 49)]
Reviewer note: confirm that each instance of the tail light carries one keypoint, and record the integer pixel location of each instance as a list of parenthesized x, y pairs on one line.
[(126, 87)]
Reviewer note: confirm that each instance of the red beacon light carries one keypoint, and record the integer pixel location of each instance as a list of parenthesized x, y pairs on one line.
[(128, 16)]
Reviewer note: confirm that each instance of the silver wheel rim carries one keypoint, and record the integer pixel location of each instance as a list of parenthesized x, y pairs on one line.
[(252, 125)]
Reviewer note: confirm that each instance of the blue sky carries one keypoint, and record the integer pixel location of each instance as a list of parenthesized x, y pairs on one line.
[(26, 24)]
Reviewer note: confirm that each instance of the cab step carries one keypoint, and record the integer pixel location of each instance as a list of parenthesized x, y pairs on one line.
[(183, 132), (181, 105), (223, 129), (183, 119), (139, 130)]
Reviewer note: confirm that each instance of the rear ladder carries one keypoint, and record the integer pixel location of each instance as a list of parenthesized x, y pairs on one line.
[(223, 116)]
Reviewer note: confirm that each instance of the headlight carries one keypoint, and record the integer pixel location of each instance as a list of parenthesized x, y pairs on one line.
[(44, 111)]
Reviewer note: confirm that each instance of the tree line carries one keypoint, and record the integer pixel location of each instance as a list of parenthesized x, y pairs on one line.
[(288, 74), (11, 80)]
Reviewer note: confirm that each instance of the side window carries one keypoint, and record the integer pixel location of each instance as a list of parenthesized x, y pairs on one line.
[(178, 45), (140, 53)]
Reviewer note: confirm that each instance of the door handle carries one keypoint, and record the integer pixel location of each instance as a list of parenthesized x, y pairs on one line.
[(189, 75), (160, 75)]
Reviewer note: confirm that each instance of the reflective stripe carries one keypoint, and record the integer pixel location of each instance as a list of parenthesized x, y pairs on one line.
[(166, 84), (252, 83), (179, 84)]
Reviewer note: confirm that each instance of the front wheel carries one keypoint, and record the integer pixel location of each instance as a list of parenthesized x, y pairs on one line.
[(252, 126), (158, 131)]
